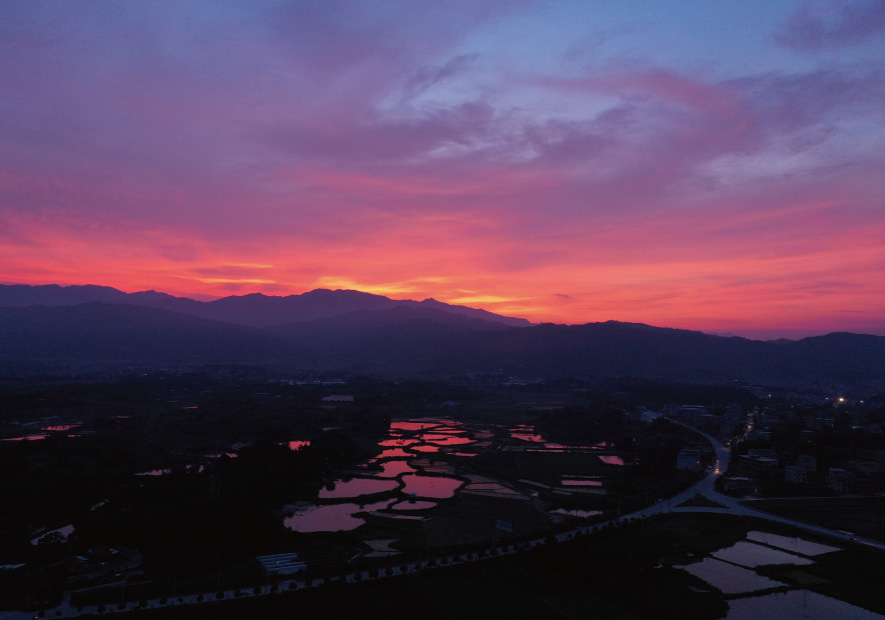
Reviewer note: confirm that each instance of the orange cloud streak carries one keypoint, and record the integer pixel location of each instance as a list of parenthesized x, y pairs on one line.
[(688, 285)]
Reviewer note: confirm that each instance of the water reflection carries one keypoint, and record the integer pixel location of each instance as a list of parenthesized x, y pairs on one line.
[(752, 555), (610, 459), (392, 469), (795, 604), (59, 535), (413, 426), (526, 432), (413, 505), (582, 483), (404, 466), (356, 487), (393, 453), (387, 443), (381, 548), (155, 472), (446, 440), (532, 438), (331, 518), (61, 427), (451, 441), (430, 486), (583, 514), (790, 544), (728, 578), (490, 488)]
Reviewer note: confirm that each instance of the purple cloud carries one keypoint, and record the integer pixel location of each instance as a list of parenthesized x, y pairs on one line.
[(831, 27)]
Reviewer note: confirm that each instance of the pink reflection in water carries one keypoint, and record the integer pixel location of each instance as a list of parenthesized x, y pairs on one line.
[(393, 453), (528, 437), (426, 448), (447, 440), (454, 428), (331, 518), (61, 427), (581, 483), (561, 446), (526, 432), (412, 426), (297, 445), (357, 487), (413, 505), (155, 472), (584, 514), (27, 438), (611, 459), (430, 486), (396, 442), (392, 469)]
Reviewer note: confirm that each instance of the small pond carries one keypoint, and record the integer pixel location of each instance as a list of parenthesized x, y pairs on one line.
[(413, 505), (57, 428), (751, 555), (413, 426), (356, 487), (59, 535), (728, 578), (797, 545), (331, 518), (430, 486), (392, 453), (390, 443), (155, 472), (392, 469), (582, 514), (581, 483), (795, 604), (446, 440)]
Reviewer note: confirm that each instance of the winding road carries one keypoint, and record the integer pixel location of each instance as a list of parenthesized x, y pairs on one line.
[(732, 505)]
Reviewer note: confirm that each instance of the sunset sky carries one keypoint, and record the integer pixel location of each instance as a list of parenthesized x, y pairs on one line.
[(700, 164)]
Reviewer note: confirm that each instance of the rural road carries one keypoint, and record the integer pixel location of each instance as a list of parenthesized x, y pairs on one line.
[(732, 505)]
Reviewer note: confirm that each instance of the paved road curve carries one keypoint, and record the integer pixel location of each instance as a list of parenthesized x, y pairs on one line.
[(732, 505)]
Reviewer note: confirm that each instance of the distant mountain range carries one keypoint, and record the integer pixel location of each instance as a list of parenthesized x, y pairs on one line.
[(360, 332), (254, 310)]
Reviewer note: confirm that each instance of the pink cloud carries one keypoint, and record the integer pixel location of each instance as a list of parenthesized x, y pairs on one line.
[(385, 148)]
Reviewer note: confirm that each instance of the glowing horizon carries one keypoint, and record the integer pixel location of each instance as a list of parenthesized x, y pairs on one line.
[(716, 168)]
